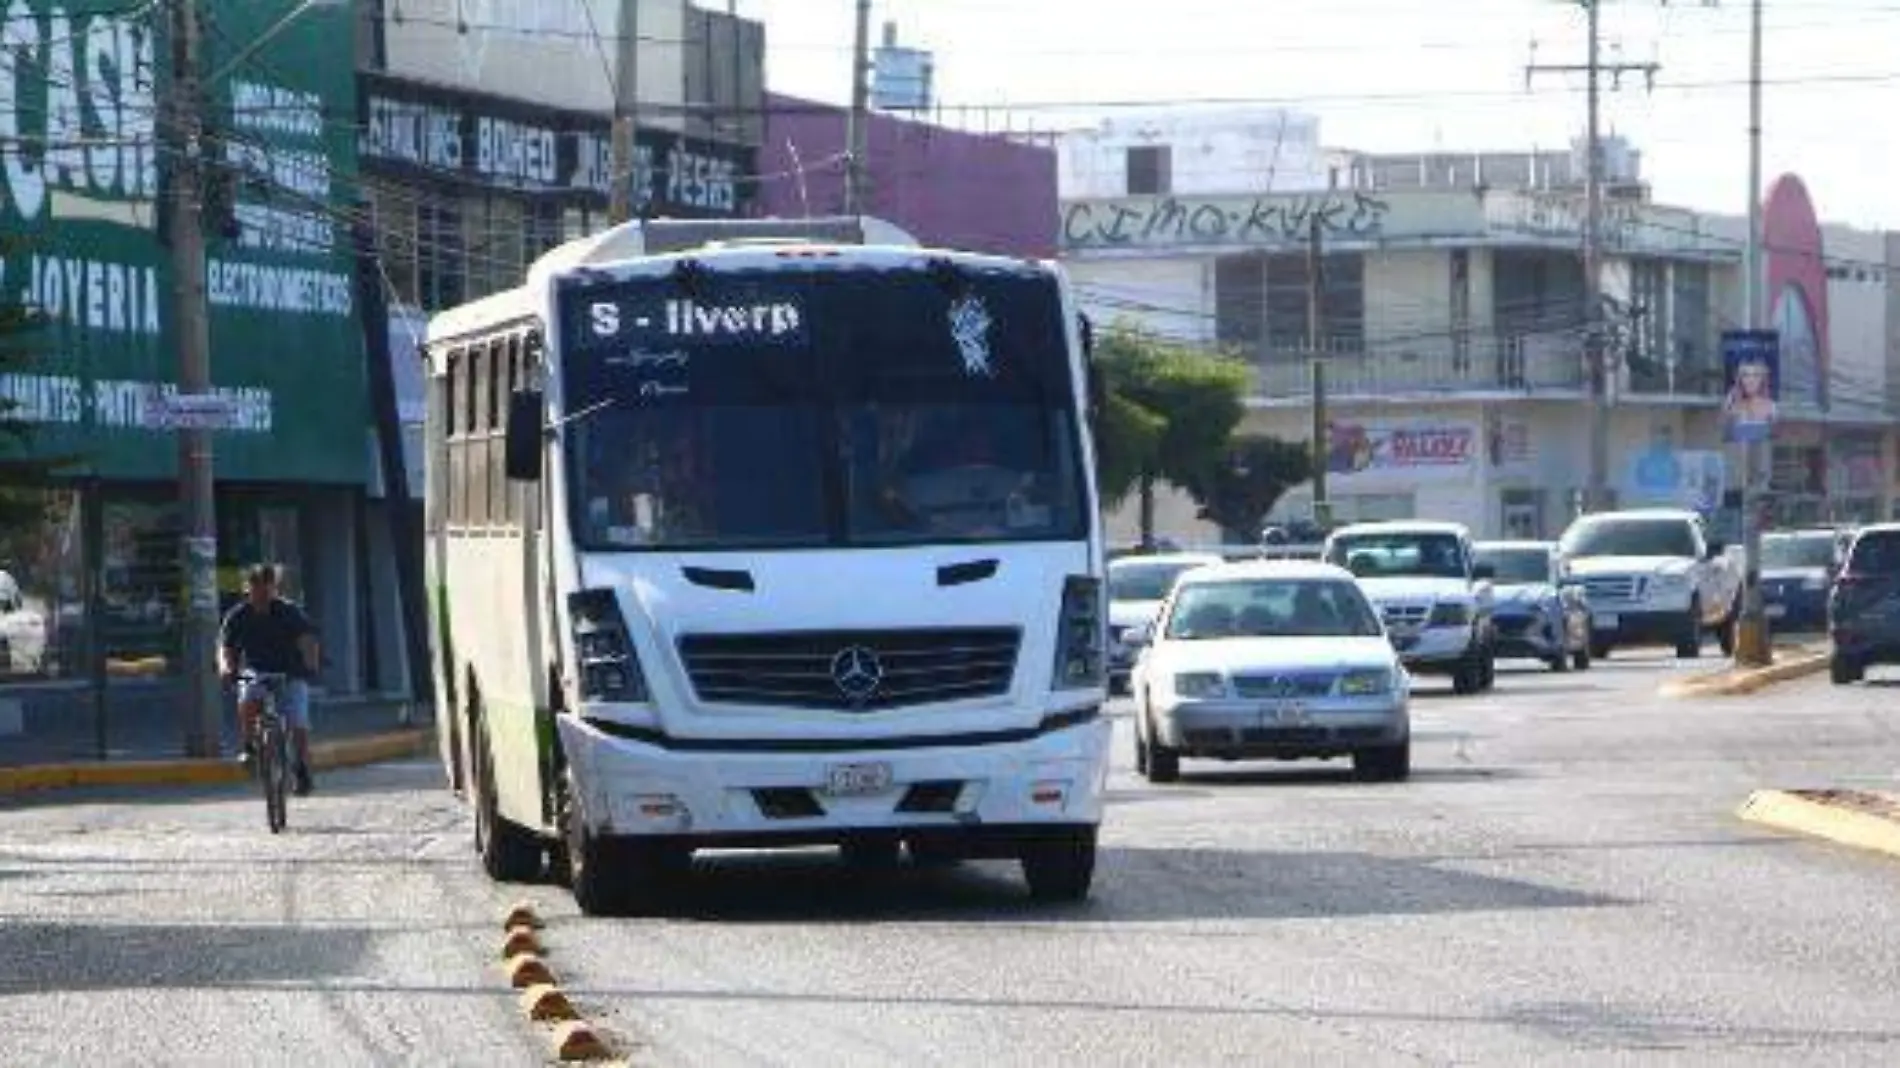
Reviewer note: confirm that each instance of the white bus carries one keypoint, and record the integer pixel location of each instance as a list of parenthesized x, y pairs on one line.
[(750, 534)]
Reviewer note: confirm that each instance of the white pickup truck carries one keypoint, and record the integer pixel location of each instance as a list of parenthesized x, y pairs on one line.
[(1436, 600), (1652, 576)]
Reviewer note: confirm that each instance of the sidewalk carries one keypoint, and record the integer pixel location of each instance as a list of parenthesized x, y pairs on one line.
[(58, 725)]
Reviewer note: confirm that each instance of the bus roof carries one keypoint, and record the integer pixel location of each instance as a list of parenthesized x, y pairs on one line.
[(660, 237)]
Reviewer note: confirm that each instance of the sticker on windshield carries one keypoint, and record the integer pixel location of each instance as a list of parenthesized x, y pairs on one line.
[(970, 324)]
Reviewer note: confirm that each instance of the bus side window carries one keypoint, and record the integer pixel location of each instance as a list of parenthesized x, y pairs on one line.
[(481, 499), (452, 472), (512, 495)]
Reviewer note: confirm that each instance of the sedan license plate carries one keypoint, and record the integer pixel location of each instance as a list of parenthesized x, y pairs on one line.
[(1605, 620), (1775, 611), (856, 780)]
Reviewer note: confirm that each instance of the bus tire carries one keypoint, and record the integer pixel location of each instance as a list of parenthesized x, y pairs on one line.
[(1060, 868), (614, 877), (509, 853)]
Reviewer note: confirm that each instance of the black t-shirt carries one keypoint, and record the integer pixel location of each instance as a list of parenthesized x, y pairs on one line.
[(266, 640)]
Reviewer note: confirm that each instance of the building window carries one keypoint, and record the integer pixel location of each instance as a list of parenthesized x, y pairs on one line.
[(1240, 301), (1150, 170), (1342, 327), (441, 268)]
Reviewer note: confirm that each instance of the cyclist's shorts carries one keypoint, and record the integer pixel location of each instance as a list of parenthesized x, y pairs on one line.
[(293, 700)]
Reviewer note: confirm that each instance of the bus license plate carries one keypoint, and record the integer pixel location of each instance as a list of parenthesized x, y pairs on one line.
[(854, 780)]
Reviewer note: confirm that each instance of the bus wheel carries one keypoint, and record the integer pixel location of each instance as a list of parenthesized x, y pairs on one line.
[(509, 853), (610, 877), (1061, 868)]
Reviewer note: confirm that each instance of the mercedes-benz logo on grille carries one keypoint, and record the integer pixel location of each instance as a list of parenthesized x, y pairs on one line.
[(857, 672)]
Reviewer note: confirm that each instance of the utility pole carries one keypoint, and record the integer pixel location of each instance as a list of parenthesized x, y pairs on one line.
[(859, 132), (1316, 342), (620, 200), (184, 141), (1595, 350), (1752, 644)]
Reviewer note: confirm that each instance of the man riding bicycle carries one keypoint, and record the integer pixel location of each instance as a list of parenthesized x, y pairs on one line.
[(271, 636)]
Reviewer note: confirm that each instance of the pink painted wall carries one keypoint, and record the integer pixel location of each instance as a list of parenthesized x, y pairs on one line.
[(976, 192)]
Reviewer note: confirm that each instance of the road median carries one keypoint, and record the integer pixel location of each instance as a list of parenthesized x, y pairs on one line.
[(324, 756), (1790, 663), (1862, 819)]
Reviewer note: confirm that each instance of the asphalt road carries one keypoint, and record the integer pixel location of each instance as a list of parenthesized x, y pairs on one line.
[(1562, 881)]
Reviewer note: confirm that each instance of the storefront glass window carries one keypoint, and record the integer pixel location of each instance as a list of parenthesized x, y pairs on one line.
[(140, 588), (42, 596)]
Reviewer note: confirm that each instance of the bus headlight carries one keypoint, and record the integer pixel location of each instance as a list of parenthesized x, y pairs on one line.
[(1081, 633), (608, 668)]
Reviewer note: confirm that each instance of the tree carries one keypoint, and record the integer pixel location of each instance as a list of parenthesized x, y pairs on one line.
[(1171, 411), (1242, 485)]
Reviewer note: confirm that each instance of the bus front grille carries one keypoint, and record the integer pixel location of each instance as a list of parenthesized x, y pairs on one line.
[(851, 670)]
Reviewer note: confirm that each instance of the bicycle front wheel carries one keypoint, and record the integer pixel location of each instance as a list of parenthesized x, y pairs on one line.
[(274, 773)]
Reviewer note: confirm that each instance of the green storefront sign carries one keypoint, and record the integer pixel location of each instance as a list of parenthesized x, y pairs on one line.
[(81, 84)]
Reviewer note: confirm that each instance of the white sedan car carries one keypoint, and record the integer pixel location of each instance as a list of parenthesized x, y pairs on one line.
[(1278, 660)]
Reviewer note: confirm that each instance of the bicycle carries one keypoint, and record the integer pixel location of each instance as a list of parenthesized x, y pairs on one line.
[(272, 746)]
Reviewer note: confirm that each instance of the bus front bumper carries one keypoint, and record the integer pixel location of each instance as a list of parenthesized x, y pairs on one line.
[(755, 794)]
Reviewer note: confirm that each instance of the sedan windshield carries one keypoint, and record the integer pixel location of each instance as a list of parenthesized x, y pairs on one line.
[(1271, 608), (1407, 554), (1129, 581), (1515, 567), (1630, 537), (1797, 550)]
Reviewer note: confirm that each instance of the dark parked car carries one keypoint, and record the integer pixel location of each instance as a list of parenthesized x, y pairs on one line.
[(1863, 611), (1797, 570)]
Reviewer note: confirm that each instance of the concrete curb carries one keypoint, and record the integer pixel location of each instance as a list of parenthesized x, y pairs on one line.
[(1731, 682), (1810, 812), (325, 756)]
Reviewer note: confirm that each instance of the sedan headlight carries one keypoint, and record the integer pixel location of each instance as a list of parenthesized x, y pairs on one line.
[(1200, 684), (1365, 683), (1449, 614), (1668, 582)]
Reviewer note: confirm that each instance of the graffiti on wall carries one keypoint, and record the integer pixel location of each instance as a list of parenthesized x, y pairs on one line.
[(1258, 221)]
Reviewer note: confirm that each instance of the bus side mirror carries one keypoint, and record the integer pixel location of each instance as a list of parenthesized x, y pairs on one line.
[(524, 436)]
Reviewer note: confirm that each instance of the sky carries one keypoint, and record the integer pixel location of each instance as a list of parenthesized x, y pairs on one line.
[(1418, 75)]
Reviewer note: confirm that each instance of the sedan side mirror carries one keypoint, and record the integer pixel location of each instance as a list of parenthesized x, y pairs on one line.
[(525, 436), (1715, 550)]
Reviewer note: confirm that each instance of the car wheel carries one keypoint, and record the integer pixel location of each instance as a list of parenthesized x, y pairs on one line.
[(1387, 763), (1581, 658), (1843, 671), (1489, 667), (1468, 677), (1559, 663), (1689, 645), (1164, 764), (1061, 868), (1141, 752)]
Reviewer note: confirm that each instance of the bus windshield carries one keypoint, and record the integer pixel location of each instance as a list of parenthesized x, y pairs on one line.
[(835, 407)]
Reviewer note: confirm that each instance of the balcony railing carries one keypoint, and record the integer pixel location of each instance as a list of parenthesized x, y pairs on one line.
[(1529, 365)]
